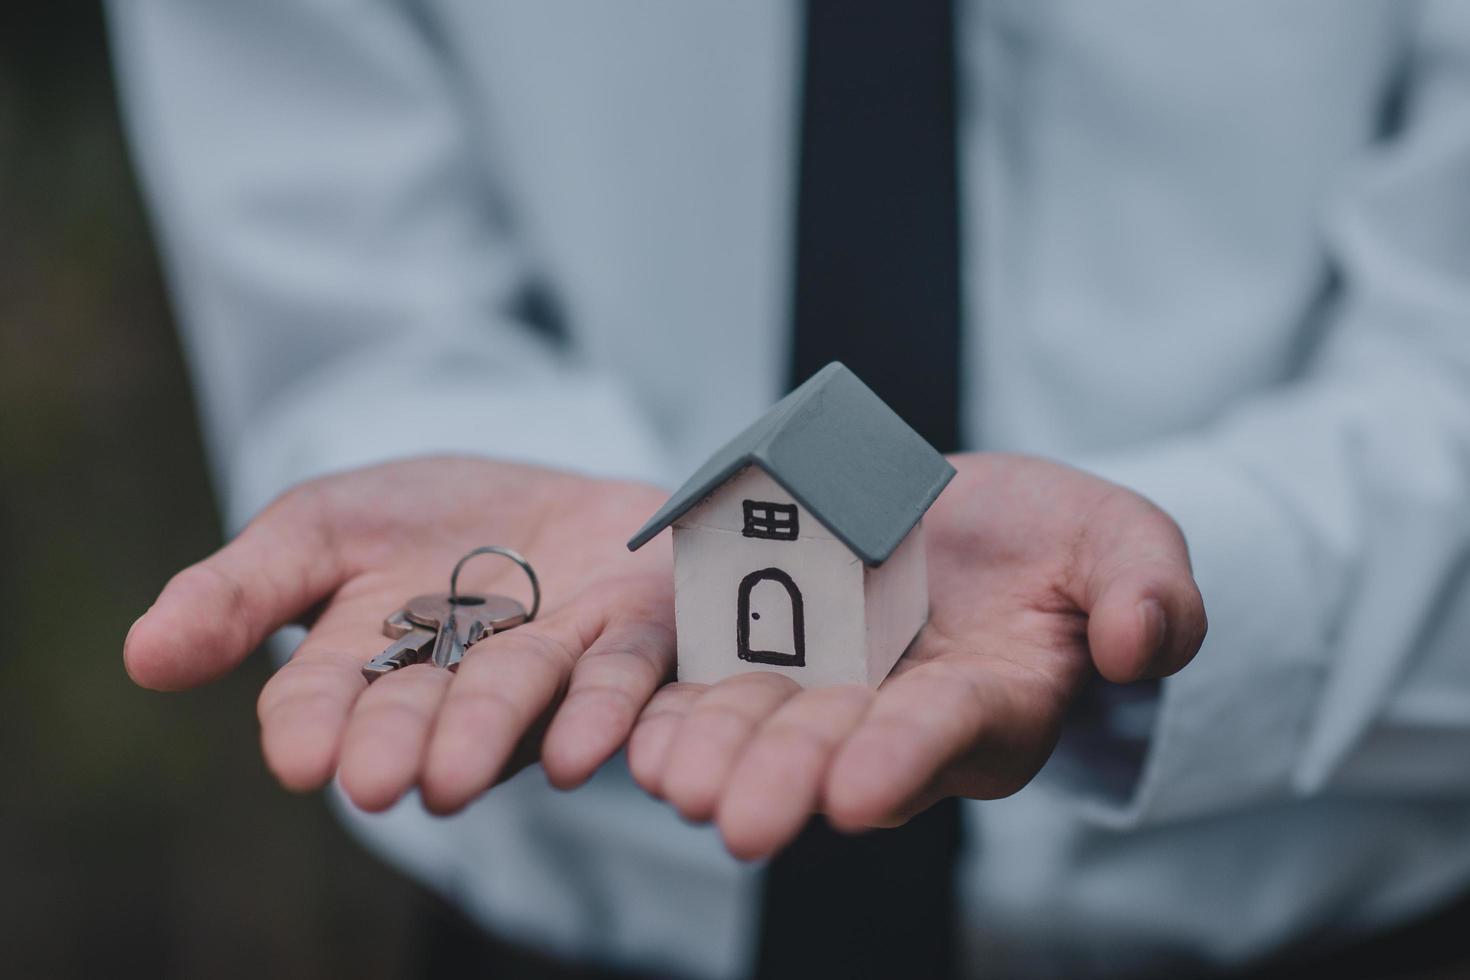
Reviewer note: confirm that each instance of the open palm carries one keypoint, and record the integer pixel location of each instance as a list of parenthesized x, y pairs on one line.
[(1037, 573), (345, 551)]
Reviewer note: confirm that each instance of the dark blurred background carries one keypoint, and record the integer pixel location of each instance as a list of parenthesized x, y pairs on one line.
[(139, 833)]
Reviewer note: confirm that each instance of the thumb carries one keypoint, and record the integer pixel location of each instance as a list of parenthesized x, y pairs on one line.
[(211, 615), (1145, 615)]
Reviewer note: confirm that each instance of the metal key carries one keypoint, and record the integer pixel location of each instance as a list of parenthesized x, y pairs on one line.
[(412, 643), (463, 621), (429, 628), (439, 627)]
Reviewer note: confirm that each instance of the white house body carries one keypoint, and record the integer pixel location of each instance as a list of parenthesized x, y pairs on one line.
[(757, 598)]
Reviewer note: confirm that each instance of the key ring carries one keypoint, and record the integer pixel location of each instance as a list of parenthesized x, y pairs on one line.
[(492, 549)]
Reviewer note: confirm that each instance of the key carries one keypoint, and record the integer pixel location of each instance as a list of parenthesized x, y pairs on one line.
[(440, 627), (411, 644), (429, 628), (461, 624)]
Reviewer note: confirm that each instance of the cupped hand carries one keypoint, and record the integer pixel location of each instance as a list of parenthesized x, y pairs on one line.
[(344, 551), (1039, 575)]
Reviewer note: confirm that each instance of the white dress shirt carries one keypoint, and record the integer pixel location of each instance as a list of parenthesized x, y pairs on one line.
[(1217, 252)]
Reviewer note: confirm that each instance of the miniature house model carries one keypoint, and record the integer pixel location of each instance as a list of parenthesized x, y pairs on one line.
[(799, 546)]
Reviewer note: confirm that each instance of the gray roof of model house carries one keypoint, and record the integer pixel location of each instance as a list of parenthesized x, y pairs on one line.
[(842, 453)]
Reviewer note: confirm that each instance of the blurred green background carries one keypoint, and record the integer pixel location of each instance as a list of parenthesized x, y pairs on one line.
[(139, 832)]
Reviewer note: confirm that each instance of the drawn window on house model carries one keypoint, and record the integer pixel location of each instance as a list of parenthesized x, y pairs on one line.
[(764, 519), (771, 620)]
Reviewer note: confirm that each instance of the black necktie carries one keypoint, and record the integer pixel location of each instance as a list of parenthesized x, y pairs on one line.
[(877, 287), (877, 238)]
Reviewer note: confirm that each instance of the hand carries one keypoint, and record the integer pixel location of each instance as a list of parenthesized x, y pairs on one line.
[(1037, 574), (350, 549)]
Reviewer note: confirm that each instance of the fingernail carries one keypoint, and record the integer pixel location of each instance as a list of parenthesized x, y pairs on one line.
[(1155, 625)]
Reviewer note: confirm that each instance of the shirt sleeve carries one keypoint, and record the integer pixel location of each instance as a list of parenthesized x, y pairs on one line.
[(1329, 519), (347, 283)]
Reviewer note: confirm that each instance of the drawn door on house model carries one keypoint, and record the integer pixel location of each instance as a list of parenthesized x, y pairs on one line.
[(770, 625)]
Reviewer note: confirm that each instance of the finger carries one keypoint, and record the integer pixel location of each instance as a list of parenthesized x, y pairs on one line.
[(387, 732), (610, 685), (1146, 617), (653, 734), (505, 685), (304, 707), (214, 613), (776, 784), (922, 722), (712, 736)]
